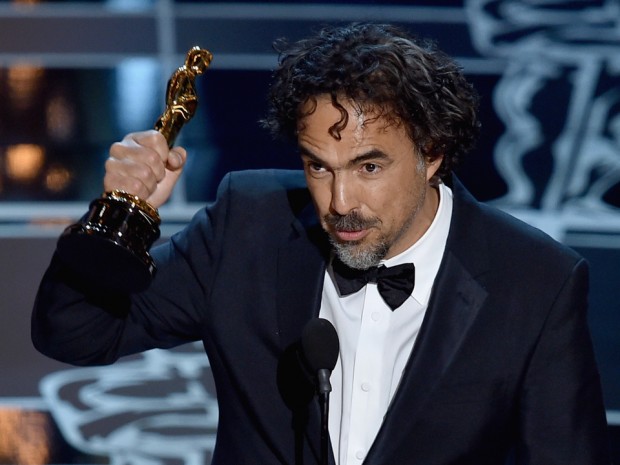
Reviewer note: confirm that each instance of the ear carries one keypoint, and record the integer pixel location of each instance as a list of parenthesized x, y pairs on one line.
[(432, 166)]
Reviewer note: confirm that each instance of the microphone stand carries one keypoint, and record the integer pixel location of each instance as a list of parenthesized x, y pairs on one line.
[(320, 348), (324, 402), (324, 389)]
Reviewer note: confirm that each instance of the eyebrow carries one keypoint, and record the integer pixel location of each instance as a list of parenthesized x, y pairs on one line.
[(373, 154)]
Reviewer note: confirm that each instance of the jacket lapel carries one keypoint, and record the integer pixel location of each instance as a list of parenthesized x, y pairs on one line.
[(457, 298), (446, 324), (301, 271)]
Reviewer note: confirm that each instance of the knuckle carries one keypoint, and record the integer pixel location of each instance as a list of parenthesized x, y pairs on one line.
[(137, 187), (152, 158), (110, 163), (116, 149), (150, 138), (143, 172)]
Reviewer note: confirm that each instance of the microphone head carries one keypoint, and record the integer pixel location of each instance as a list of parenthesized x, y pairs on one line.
[(319, 344)]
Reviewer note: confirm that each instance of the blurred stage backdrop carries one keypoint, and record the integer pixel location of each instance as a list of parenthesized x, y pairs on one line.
[(76, 76)]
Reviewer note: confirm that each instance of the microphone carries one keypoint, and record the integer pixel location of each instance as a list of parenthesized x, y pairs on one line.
[(320, 348)]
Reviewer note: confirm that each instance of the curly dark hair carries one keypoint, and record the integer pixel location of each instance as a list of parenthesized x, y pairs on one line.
[(380, 67)]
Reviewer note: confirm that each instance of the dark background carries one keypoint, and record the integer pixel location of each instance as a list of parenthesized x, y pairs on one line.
[(77, 76)]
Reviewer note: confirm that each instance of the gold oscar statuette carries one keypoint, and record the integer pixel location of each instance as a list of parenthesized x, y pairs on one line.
[(110, 245)]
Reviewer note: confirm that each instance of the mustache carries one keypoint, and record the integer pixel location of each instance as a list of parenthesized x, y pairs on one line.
[(350, 222)]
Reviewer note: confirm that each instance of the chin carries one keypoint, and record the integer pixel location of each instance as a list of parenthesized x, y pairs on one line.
[(356, 255)]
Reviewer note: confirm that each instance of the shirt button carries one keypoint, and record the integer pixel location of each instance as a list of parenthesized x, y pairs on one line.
[(365, 387), (375, 316), (360, 455)]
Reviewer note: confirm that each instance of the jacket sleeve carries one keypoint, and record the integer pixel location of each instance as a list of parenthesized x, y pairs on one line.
[(75, 322), (562, 416)]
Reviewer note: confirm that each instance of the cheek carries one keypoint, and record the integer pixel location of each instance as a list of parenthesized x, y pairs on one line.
[(384, 201), (401, 200), (381, 198)]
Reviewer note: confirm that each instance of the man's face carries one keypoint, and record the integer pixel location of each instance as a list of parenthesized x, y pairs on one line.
[(370, 188)]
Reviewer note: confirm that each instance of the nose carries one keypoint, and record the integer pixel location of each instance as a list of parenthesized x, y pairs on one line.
[(344, 198)]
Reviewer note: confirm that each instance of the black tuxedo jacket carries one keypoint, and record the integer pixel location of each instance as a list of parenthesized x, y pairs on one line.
[(503, 361)]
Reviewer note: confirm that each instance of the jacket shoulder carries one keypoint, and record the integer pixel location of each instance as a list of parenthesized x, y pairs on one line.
[(501, 238), (265, 193), (252, 182)]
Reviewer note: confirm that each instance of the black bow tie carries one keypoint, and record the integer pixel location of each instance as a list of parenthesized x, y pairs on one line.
[(394, 284)]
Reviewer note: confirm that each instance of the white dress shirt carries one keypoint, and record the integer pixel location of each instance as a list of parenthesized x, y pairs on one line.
[(375, 342)]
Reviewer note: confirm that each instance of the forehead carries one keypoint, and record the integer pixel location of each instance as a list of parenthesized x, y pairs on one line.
[(321, 114)]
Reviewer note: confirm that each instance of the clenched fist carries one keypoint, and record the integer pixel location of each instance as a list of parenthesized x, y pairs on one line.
[(143, 165)]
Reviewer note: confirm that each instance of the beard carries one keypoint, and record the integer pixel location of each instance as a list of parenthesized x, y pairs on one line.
[(364, 254), (357, 254)]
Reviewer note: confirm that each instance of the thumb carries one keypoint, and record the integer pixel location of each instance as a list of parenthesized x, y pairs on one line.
[(177, 156), (174, 168)]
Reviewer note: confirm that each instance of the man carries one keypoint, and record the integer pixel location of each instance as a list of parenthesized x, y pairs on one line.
[(488, 355)]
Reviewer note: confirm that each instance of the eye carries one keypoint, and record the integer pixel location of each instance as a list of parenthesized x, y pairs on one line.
[(371, 168), (315, 167)]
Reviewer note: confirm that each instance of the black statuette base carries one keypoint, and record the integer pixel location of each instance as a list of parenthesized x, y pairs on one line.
[(109, 247)]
